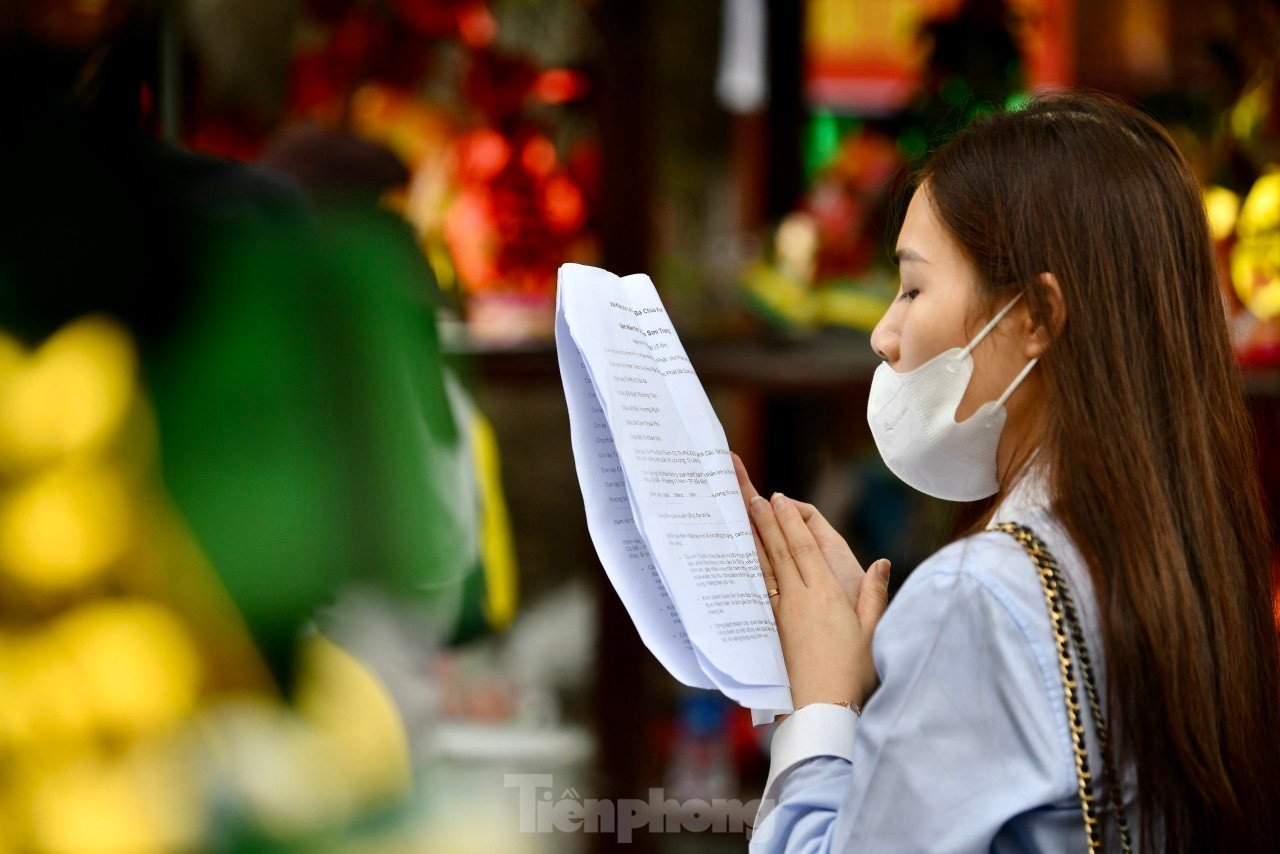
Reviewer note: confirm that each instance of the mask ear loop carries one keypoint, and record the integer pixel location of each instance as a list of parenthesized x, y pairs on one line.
[(1014, 385), (983, 333), (991, 324)]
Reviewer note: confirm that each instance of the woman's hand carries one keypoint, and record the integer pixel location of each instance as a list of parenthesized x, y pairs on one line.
[(833, 547), (825, 619)]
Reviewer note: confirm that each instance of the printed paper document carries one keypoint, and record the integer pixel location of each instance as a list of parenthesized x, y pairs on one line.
[(662, 502)]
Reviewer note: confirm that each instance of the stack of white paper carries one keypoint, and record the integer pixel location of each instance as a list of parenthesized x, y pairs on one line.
[(663, 505)]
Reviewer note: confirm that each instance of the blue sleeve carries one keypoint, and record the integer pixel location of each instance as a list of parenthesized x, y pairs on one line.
[(808, 799), (965, 734)]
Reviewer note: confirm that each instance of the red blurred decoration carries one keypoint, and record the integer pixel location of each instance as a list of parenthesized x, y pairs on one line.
[(515, 217), (230, 140), (476, 25), (538, 156), (513, 205), (585, 165), (316, 81), (384, 42), (482, 155), (466, 20), (563, 205), (497, 85), (560, 86), (1264, 349), (428, 17), (842, 197)]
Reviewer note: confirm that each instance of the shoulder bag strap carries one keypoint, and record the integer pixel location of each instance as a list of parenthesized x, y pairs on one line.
[(1062, 614)]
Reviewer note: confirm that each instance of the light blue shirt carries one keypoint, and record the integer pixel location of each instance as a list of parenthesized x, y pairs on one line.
[(964, 746)]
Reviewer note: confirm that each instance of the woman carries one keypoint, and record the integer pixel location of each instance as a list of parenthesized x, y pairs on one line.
[(1068, 237)]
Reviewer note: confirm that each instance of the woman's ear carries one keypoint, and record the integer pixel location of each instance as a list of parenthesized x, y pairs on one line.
[(1039, 337)]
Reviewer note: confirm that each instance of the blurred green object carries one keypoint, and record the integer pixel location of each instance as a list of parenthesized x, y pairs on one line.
[(309, 436), (306, 432)]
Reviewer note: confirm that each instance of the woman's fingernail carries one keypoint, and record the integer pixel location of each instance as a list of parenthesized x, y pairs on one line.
[(778, 498), (885, 566), (758, 504)]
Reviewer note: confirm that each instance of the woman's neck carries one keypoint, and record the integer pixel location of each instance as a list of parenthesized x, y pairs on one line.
[(1016, 463)]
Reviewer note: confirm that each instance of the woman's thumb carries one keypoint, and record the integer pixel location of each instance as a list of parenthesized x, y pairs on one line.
[(873, 598)]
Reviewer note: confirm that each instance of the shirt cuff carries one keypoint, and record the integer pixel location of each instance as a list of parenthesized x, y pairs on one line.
[(818, 729)]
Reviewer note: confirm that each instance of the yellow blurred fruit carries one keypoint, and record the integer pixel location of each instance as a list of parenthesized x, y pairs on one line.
[(1255, 272), (1261, 209), (64, 528), (139, 666), (70, 395), (1255, 259), (44, 700), (144, 801), (1221, 207)]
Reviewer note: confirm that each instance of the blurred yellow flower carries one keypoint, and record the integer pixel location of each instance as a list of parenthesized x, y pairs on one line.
[(63, 528), (1221, 206), (69, 396), (1261, 210), (138, 665), (143, 801), (44, 702), (1255, 259)]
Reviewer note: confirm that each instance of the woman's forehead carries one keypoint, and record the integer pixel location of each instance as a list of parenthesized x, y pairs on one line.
[(922, 240)]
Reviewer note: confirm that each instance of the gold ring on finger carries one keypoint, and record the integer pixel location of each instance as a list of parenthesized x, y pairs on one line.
[(773, 591)]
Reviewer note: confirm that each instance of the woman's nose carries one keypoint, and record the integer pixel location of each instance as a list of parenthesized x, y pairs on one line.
[(884, 341)]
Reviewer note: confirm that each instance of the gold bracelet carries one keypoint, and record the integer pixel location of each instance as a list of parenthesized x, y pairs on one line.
[(848, 704)]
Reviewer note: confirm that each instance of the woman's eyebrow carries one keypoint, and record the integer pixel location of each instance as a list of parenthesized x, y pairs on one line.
[(907, 254)]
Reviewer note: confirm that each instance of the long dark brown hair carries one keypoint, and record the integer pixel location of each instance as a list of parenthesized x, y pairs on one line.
[(1149, 445)]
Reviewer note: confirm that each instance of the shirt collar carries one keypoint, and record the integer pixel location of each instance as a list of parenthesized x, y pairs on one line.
[(1029, 495)]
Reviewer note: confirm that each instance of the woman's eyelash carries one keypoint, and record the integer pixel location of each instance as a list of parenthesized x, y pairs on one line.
[(910, 294)]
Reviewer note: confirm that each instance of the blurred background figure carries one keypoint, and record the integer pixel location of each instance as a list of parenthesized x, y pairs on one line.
[(292, 553)]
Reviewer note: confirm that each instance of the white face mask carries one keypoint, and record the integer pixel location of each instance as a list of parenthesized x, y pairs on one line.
[(912, 418)]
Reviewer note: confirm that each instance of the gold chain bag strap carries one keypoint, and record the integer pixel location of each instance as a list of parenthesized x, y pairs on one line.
[(1062, 613)]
